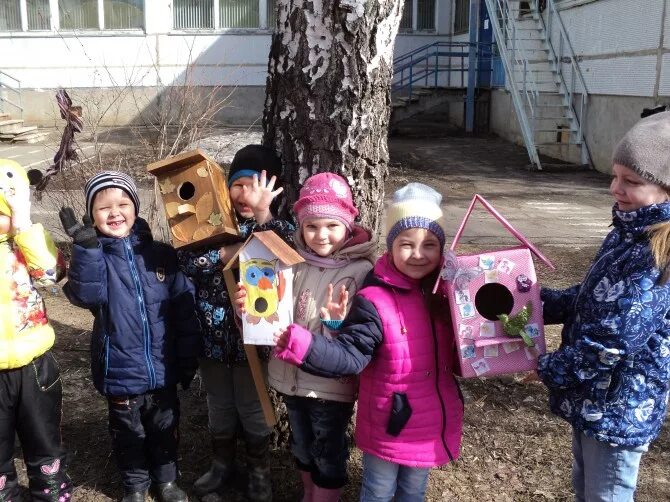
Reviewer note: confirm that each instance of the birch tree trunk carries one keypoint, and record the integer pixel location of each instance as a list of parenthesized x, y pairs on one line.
[(328, 96)]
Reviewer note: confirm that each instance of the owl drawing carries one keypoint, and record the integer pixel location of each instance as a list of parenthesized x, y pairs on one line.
[(265, 288)]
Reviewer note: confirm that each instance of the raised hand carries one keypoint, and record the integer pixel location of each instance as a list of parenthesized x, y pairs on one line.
[(260, 195), (336, 311), (83, 233)]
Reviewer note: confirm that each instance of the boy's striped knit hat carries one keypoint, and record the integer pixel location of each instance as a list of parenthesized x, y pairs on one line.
[(110, 179), (415, 206)]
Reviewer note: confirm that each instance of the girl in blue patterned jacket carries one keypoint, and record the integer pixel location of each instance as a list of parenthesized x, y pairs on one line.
[(609, 378)]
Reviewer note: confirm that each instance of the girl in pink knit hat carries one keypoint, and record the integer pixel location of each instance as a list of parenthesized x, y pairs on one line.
[(338, 256)]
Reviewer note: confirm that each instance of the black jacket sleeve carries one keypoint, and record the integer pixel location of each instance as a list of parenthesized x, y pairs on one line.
[(352, 349)]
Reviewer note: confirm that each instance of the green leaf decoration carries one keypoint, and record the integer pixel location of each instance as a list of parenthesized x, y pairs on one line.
[(515, 326), (215, 219)]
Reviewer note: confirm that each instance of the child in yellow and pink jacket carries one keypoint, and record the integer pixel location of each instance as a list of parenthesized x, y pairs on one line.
[(30, 382)]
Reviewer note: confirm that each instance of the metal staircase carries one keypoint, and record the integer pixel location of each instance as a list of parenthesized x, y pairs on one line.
[(13, 129), (10, 94), (547, 88)]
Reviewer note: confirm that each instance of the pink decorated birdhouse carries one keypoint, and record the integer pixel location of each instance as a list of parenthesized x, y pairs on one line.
[(495, 304)]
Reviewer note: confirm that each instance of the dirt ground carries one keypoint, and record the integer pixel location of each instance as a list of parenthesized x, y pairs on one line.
[(513, 448)]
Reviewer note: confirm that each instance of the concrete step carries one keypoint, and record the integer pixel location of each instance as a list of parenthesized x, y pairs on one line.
[(25, 130), (10, 126), (32, 137)]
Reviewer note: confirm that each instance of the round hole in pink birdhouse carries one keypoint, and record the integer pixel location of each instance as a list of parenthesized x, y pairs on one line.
[(492, 300)]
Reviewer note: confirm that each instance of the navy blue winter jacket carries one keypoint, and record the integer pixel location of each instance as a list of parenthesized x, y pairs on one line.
[(145, 330), (609, 378)]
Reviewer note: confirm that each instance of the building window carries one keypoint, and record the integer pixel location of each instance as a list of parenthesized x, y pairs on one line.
[(224, 14), (116, 14), (39, 17), (124, 14), (272, 14), (78, 14), (193, 14), (10, 15), (461, 16), (406, 22), (425, 19), (37, 12), (238, 14), (423, 11)]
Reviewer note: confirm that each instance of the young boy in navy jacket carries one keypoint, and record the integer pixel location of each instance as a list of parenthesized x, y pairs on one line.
[(146, 336)]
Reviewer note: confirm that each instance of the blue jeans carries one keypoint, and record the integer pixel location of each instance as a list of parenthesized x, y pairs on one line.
[(383, 480), (602, 472), (319, 438)]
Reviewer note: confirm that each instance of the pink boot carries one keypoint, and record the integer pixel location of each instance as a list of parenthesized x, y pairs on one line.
[(307, 486), (326, 494)]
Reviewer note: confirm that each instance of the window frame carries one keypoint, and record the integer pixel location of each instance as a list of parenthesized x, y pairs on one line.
[(54, 21), (415, 20), (263, 19), (464, 20)]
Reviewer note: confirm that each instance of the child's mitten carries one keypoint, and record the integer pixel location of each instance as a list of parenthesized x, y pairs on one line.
[(82, 234)]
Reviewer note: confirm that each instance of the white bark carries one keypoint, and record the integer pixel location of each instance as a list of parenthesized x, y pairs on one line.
[(328, 94)]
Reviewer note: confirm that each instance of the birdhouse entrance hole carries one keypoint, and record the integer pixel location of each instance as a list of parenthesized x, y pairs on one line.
[(186, 190), (492, 300)]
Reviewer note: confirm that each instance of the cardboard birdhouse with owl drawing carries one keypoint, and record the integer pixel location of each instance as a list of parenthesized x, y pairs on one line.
[(494, 298), (265, 266)]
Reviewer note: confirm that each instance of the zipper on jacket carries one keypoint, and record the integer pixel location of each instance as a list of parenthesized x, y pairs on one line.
[(439, 395), (106, 353), (143, 311)]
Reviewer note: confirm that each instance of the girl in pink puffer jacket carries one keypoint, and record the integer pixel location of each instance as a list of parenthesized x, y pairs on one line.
[(397, 336)]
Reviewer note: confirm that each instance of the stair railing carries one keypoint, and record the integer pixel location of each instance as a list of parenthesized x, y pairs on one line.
[(426, 63), (515, 61), (10, 87), (577, 86)]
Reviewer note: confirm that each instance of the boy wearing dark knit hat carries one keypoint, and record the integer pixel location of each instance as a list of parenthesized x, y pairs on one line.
[(232, 400), (146, 336)]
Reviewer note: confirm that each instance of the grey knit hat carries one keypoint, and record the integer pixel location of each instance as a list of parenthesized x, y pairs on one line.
[(646, 149), (110, 179)]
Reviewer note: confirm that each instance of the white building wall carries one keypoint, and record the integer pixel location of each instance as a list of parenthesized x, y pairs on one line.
[(156, 55), (618, 42)]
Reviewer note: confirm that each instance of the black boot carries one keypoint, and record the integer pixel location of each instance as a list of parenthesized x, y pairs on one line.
[(221, 470), (135, 496), (169, 492), (9, 487), (259, 488)]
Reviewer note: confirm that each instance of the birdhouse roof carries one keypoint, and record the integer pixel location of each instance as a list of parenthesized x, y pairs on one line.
[(182, 160), (285, 253)]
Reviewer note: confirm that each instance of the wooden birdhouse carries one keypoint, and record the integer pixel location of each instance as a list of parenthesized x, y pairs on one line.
[(265, 264), (494, 298), (196, 199)]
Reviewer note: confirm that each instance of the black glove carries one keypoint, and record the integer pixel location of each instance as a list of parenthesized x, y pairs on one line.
[(82, 234), (186, 374)]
